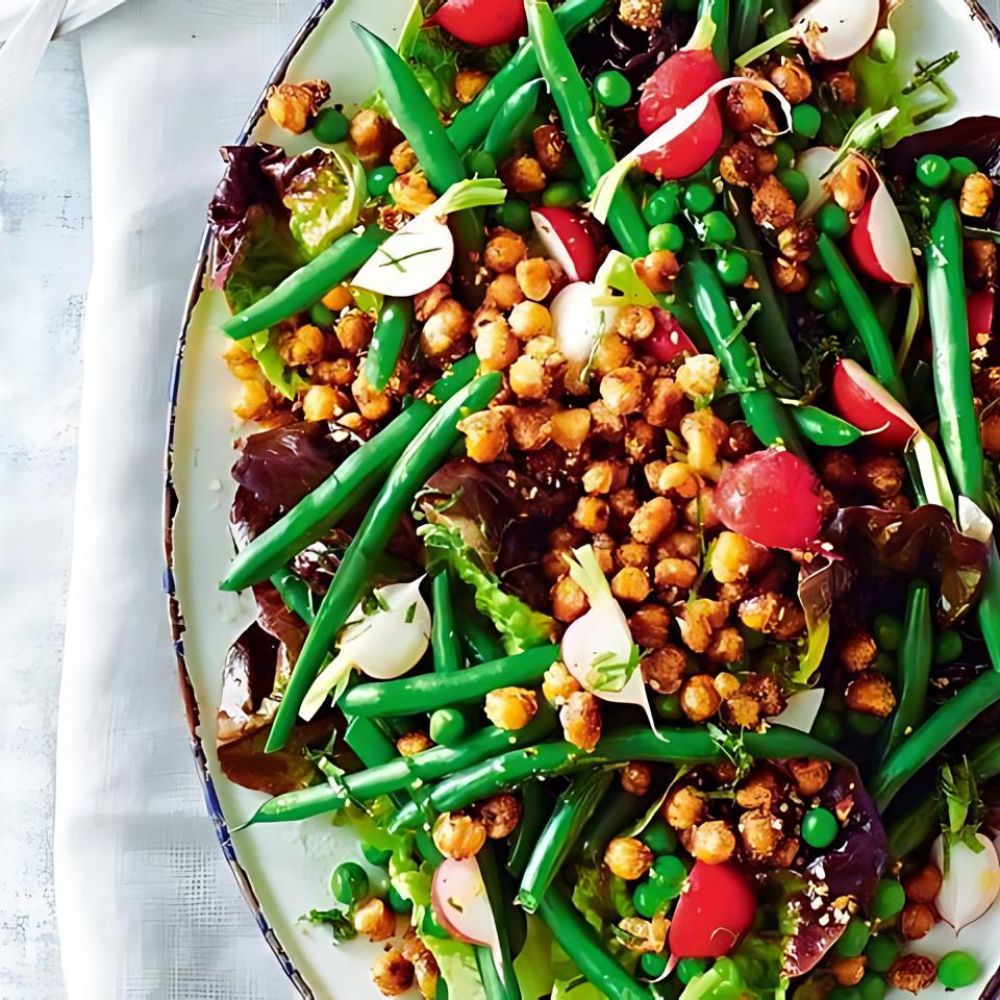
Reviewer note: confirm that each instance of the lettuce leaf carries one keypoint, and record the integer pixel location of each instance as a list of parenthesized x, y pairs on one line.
[(325, 199)]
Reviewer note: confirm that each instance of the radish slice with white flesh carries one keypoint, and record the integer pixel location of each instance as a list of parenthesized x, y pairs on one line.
[(607, 186), (864, 402), (801, 711), (421, 253), (814, 164), (567, 240), (461, 905), (597, 648), (972, 883), (383, 642), (578, 325)]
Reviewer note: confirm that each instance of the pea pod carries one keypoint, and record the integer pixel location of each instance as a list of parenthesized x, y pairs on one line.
[(354, 479), (825, 429), (394, 322), (512, 119), (422, 457), (306, 286)]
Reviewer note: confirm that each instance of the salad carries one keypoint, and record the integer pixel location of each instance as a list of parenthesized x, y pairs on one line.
[(617, 491)]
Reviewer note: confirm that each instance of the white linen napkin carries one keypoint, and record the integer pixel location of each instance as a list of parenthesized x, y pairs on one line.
[(147, 906)]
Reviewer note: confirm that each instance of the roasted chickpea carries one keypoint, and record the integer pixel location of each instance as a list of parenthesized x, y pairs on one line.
[(699, 699), (883, 476), (459, 836), (511, 707), (322, 402), (412, 193), (581, 720), (444, 328), (664, 669), (792, 79), (253, 402), (761, 789), (848, 971), (624, 503), (843, 88), (644, 14), (766, 691), (623, 390), (746, 109), (485, 435), (631, 585), (732, 557), (658, 270), (857, 652), (528, 378), (653, 519), (635, 322), (666, 403), (504, 292), (650, 626), (427, 974), (500, 815), (354, 331), (413, 743), (839, 471), (551, 147), (685, 808), (303, 346), (672, 572), (504, 252), (636, 777), (372, 137), (570, 428), (375, 920), (699, 375), (293, 106), (916, 921), (523, 175), (810, 776), (241, 363), (568, 600), (713, 842), (738, 165), (678, 478), (923, 885), (628, 858), (760, 833), (977, 195), (772, 206), (698, 619), (534, 279), (372, 404), (912, 973), (468, 84), (871, 694), (797, 242), (591, 514), (631, 553), (727, 646), (849, 184), (558, 684), (530, 319), (789, 276), (392, 973), (703, 433)]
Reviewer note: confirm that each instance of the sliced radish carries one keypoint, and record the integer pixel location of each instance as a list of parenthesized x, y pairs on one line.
[(461, 905), (688, 153), (771, 497), (668, 340), (716, 908), (815, 163), (801, 711), (980, 308), (863, 401), (568, 240), (972, 883), (578, 326), (481, 22)]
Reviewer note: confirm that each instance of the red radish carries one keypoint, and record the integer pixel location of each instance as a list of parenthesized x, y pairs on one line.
[(688, 153), (460, 903), (668, 339), (879, 241), (980, 308), (481, 22), (863, 401), (773, 498), (568, 240), (716, 908)]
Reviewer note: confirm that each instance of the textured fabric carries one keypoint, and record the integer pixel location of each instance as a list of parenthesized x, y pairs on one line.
[(147, 906)]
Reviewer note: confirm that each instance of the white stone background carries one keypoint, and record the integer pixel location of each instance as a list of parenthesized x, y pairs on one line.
[(44, 267)]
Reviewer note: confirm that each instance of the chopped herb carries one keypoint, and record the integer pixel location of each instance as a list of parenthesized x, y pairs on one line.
[(337, 920)]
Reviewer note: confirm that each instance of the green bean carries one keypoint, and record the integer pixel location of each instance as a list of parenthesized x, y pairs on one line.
[(678, 746), (766, 416), (719, 12), (575, 104), (916, 653), (985, 761), (859, 307), (394, 322), (426, 692), (573, 810), (512, 119), (472, 122), (506, 986), (422, 457), (294, 593), (577, 938), (920, 746), (618, 810), (746, 24), (825, 429), (308, 284), (770, 325), (445, 646), (480, 639), (354, 479), (534, 816)]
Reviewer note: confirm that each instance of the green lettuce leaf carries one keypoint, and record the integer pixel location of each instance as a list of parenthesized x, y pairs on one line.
[(752, 972), (324, 200)]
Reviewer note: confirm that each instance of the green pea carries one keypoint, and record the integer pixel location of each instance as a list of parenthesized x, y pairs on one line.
[(872, 987), (514, 214), (699, 198), (889, 899), (670, 874), (733, 268), (820, 828), (844, 993), (785, 152), (822, 294), (888, 631), (653, 965), (881, 952), (689, 969), (612, 89), (376, 856), (481, 163), (668, 706), (838, 320), (321, 315), (718, 228), (885, 663), (833, 220), (662, 206), (806, 120), (864, 725), (379, 180), (447, 726), (349, 883), (331, 126), (562, 194), (958, 969), (828, 728), (948, 647), (933, 171), (397, 903), (963, 166), (854, 939), (647, 899), (666, 236), (659, 837), (796, 182)]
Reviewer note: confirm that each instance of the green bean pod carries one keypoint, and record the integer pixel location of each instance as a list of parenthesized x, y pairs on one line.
[(575, 104), (503, 985), (916, 654), (577, 938), (423, 455), (306, 286), (294, 593), (472, 122), (480, 640), (534, 816), (427, 692), (935, 734), (573, 810), (859, 307), (445, 645), (825, 429), (509, 124), (746, 24), (619, 809), (354, 479), (394, 322), (766, 416)]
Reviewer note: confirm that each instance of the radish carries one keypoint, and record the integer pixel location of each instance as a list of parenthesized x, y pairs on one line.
[(597, 648), (568, 240), (384, 643), (668, 339), (831, 30), (461, 905), (980, 309), (420, 254), (716, 908), (481, 22), (863, 401), (971, 882), (578, 327), (678, 127), (773, 498), (801, 711)]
